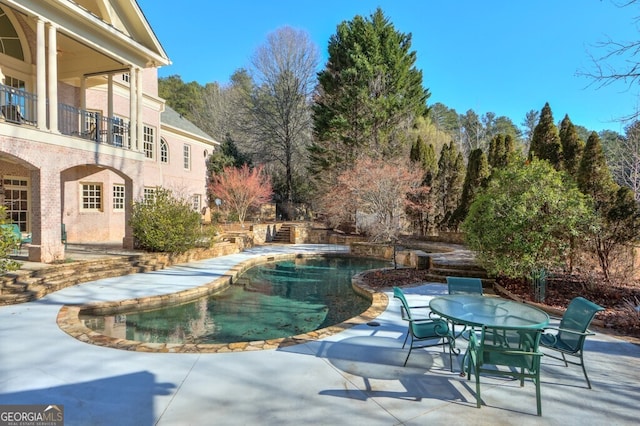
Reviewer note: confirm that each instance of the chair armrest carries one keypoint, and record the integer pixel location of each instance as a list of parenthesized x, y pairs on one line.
[(565, 330)]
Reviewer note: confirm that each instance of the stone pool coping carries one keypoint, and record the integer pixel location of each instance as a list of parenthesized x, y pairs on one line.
[(68, 318)]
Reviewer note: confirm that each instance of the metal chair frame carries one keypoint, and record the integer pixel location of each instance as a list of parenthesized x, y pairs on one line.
[(515, 348), (572, 333), (424, 329)]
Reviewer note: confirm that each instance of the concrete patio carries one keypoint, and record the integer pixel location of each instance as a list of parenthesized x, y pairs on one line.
[(355, 377)]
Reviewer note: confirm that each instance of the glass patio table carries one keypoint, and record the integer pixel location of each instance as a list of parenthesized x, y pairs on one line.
[(478, 311)]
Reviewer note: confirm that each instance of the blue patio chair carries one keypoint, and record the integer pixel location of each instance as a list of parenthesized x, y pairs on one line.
[(17, 235), (464, 285), (426, 331), (569, 337), (513, 349)]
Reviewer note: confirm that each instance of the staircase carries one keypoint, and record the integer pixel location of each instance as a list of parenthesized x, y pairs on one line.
[(283, 235), (446, 266), (25, 285)]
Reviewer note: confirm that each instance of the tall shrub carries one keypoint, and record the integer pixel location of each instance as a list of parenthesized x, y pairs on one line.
[(525, 219), (164, 223)]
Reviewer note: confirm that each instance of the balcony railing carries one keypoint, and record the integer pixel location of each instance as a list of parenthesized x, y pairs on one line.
[(19, 106), (93, 126)]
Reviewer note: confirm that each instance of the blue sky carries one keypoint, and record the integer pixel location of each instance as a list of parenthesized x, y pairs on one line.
[(503, 56)]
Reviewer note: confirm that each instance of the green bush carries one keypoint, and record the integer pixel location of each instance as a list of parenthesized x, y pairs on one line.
[(526, 220), (7, 245), (164, 223)]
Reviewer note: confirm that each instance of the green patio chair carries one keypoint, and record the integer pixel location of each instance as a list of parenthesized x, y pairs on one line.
[(464, 285), (425, 331), (569, 337), (17, 235), (505, 351)]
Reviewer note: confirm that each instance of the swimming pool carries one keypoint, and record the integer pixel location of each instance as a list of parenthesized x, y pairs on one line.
[(269, 301)]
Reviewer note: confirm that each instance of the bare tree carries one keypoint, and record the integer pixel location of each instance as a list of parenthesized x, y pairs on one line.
[(221, 111), (624, 159), (374, 193), (618, 62), (284, 72)]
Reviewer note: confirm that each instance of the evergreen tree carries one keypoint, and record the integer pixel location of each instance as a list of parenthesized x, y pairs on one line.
[(545, 143), (594, 177), (368, 96), (447, 185), (475, 179), (184, 98), (502, 151), (420, 210), (496, 151), (572, 146), (615, 207), (424, 155)]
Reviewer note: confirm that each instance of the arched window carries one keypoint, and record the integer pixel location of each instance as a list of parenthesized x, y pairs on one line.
[(164, 151), (9, 42)]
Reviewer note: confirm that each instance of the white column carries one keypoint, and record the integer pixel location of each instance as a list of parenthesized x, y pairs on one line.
[(41, 76), (53, 79), (83, 93), (133, 110), (139, 101), (109, 108), (110, 96)]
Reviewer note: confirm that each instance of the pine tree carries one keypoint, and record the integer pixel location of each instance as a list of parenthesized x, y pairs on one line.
[(572, 146), (368, 95), (615, 207), (496, 150), (424, 155), (448, 183), (420, 210), (545, 143), (594, 177), (475, 179)]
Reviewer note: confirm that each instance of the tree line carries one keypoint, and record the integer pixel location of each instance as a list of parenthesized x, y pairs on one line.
[(345, 138)]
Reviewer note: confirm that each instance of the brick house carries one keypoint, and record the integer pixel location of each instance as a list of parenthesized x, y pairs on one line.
[(83, 132)]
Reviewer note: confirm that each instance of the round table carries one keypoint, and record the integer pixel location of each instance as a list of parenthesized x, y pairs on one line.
[(487, 311), (478, 311)]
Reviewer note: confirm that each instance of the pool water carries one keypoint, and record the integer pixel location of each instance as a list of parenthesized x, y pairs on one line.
[(269, 301)]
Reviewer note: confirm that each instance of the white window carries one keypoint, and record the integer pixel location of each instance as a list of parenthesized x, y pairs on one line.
[(148, 142), (91, 197), (149, 193), (125, 77), (118, 130), (187, 157), (16, 200), (196, 202), (164, 151), (118, 197)]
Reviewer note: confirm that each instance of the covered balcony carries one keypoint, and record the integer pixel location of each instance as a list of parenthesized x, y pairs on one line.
[(18, 106)]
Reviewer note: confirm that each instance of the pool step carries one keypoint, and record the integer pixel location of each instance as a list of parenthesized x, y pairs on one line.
[(283, 235)]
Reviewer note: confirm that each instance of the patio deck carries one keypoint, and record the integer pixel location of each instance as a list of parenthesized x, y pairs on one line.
[(353, 377)]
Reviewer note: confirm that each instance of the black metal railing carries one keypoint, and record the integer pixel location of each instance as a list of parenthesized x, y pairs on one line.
[(93, 126), (17, 106)]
